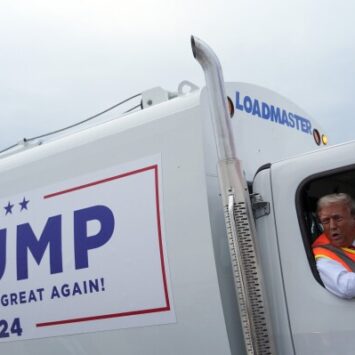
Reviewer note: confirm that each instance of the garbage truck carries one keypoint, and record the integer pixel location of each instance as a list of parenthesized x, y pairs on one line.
[(184, 227)]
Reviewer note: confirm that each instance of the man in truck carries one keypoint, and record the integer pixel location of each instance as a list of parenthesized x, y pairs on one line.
[(334, 250)]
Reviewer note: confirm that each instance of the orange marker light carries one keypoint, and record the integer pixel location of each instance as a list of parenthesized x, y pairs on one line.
[(324, 139)]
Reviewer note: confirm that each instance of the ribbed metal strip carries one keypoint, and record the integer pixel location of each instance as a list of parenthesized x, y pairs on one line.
[(239, 284), (247, 280)]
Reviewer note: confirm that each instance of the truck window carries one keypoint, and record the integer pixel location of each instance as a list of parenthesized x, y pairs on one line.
[(309, 192)]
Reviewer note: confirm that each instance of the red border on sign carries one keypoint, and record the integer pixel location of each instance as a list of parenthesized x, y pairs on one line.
[(162, 263)]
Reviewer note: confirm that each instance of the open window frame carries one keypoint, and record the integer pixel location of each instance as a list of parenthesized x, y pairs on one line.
[(307, 195)]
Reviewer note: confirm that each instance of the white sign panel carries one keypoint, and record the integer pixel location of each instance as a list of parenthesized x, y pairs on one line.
[(85, 255)]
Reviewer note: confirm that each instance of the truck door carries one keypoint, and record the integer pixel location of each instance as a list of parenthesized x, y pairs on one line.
[(320, 322)]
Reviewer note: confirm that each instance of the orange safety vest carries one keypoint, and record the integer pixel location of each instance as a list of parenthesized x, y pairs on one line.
[(344, 256)]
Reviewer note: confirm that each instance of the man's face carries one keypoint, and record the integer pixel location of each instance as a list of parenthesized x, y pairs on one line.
[(338, 224)]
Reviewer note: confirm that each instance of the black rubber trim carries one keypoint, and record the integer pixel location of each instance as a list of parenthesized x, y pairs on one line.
[(193, 46), (263, 167)]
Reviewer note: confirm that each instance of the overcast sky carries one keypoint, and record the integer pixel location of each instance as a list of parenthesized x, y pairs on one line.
[(62, 61)]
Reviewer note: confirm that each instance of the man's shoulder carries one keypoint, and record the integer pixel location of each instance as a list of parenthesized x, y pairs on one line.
[(320, 241)]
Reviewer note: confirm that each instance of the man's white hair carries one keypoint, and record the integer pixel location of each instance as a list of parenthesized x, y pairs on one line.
[(336, 198)]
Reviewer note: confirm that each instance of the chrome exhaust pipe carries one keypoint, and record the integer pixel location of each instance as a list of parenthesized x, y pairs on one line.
[(217, 97), (248, 280)]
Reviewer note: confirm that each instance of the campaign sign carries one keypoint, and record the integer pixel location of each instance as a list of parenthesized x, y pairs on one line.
[(85, 255)]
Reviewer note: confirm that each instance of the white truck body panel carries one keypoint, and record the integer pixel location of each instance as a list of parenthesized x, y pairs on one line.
[(200, 325)]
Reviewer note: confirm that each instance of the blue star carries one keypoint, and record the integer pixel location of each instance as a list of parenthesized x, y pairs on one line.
[(24, 204), (8, 208)]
